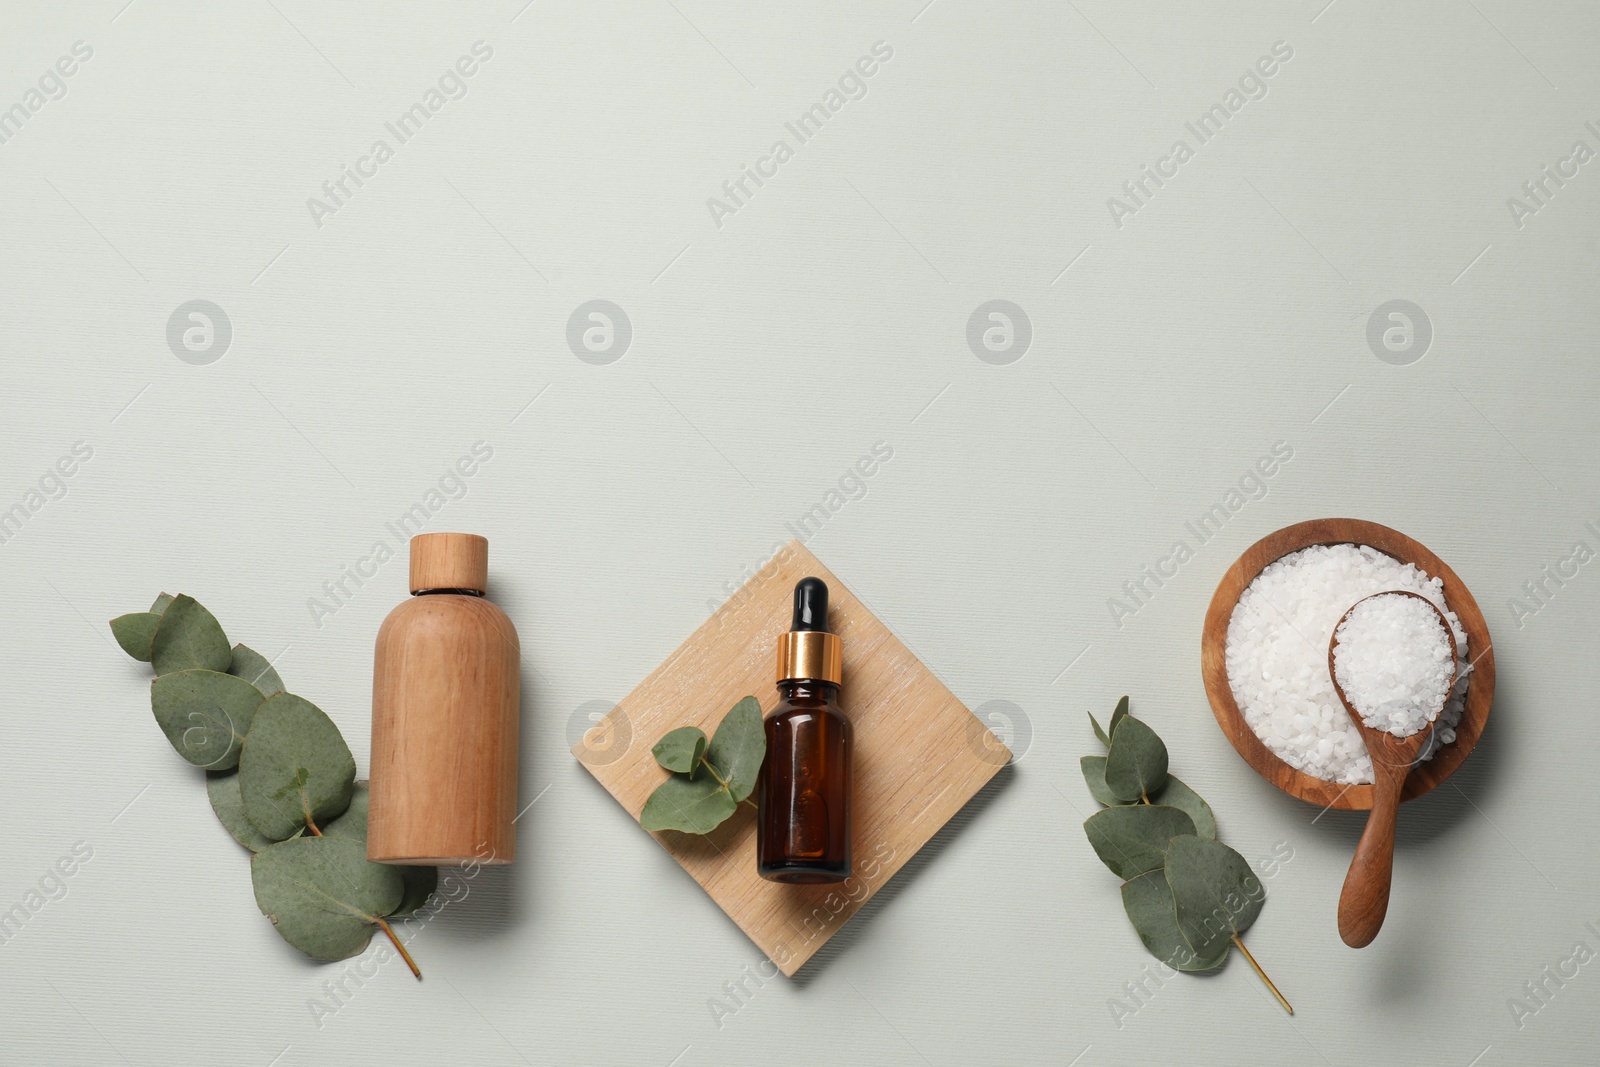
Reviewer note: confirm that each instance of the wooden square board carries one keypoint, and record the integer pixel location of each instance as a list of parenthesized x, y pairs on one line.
[(920, 755)]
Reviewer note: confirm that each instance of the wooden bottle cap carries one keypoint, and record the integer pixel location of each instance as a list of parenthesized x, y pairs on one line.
[(449, 561)]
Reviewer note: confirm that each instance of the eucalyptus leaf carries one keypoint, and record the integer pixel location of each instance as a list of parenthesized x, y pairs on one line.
[(222, 788), (256, 669), (161, 603), (206, 715), (695, 806), (1179, 795), (1148, 902), (353, 822), (1132, 839), (322, 895), (420, 882), (189, 637), (1214, 892), (1105, 738), (1136, 766), (1094, 775), (1118, 713), (738, 747), (681, 749), (295, 767), (134, 632)]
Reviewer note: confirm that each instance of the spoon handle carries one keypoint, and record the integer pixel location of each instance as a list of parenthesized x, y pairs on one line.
[(1365, 898)]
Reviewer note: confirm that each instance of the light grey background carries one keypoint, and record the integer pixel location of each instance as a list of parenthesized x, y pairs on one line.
[(829, 312)]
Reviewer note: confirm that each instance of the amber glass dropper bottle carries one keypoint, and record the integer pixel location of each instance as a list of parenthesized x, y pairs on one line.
[(803, 829)]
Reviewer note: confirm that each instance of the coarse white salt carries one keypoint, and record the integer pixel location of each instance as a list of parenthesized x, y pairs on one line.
[(1276, 654), (1391, 656)]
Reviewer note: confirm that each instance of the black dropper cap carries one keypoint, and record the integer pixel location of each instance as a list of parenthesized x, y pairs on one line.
[(811, 605)]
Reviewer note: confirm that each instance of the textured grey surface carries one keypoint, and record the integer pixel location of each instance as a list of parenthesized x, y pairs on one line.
[(827, 312)]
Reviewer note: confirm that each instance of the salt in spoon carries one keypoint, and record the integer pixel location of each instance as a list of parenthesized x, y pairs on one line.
[(1365, 898)]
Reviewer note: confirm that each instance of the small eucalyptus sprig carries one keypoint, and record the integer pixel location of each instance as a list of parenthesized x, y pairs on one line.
[(277, 770), (1189, 896), (710, 779)]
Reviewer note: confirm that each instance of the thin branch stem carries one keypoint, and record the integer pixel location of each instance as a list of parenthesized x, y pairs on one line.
[(1263, 974), (383, 925), (723, 782)]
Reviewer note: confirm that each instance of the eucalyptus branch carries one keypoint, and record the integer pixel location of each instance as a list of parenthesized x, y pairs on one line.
[(280, 778), (1190, 897), (696, 803)]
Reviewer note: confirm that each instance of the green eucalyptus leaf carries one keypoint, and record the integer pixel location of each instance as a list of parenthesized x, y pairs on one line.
[(1118, 713), (161, 603), (322, 895), (256, 669), (1214, 892), (420, 882), (1132, 839), (295, 767), (222, 788), (1181, 796), (1148, 901), (739, 746), (206, 715), (1094, 774), (189, 637), (353, 822), (1105, 738), (134, 632), (1136, 766), (680, 750), (695, 806)]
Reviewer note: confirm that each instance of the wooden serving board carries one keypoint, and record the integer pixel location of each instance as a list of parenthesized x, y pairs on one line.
[(920, 755)]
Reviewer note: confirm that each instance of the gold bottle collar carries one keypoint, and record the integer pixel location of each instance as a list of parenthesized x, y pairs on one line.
[(810, 654)]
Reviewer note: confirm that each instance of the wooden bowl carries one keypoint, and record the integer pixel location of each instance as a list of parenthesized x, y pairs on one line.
[(1480, 683)]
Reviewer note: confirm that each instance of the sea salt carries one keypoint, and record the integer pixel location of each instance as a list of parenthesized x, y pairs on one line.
[(1277, 655), (1391, 656)]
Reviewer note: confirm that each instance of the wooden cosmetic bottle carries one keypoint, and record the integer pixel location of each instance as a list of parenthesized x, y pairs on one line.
[(445, 713)]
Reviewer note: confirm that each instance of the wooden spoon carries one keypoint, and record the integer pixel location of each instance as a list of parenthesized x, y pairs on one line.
[(1365, 898)]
